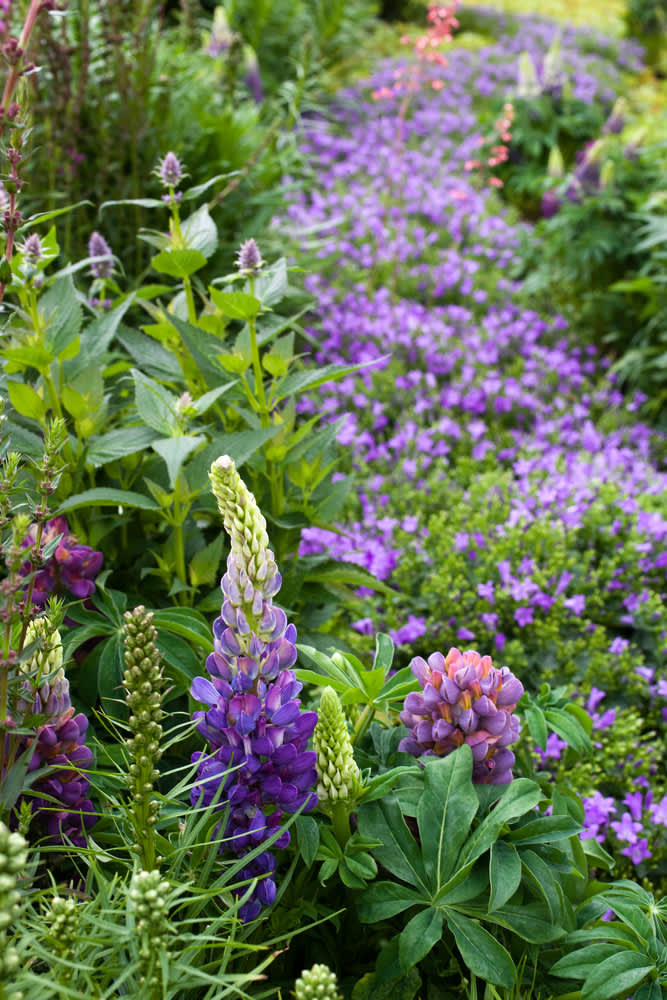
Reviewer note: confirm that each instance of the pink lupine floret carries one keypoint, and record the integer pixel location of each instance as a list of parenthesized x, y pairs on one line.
[(464, 699)]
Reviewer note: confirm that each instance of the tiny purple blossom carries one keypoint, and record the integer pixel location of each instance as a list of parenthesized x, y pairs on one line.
[(98, 247), (249, 259), (170, 170)]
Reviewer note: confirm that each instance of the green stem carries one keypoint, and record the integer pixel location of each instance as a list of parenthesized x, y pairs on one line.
[(363, 723), (257, 366), (340, 822)]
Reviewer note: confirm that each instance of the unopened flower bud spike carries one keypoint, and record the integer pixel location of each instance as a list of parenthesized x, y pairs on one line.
[(339, 784)]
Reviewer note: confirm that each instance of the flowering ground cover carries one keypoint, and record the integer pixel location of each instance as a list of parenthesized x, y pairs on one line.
[(505, 486)]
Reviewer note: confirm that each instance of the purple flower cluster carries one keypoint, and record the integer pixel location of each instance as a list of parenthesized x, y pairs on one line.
[(72, 567), (58, 796), (464, 699), (259, 766)]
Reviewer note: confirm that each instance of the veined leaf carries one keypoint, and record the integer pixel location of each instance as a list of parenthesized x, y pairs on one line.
[(107, 497), (445, 811), (483, 955), (385, 899), (418, 936), (617, 976), (383, 821), (517, 799), (504, 873)]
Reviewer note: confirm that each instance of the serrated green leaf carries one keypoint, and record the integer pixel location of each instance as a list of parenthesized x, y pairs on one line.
[(236, 305), (178, 263), (175, 450), (63, 314), (200, 232), (26, 400), (156, 405), (117, 444)]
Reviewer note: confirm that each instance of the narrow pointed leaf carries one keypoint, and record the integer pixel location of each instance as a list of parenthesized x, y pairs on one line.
[(385, 899), (383, 821), (481, 953), (445, 811), (616, 976), (418, 937), (504, 873), (518, 798)]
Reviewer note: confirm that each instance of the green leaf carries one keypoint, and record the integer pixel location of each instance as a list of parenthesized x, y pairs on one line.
[(521, 796), (206, 401), (537, 727), (483, 955), (298, 382), (200, 232), (187, 623), (540, 877), (175, 450), (345, 574), (205, 564), (385, 899), (383, 821), (117, 444), (504, 873), (178, 263), (236, 305), (106, 497), (445, 812), (578, 964), (63, 314), (147, 352), (464, 886), (26, 401), (651, 991), (182, 664), (308, 838), (569, 729), (530, 922), (418, 936), (271, 284), (545, 830), (203, 347), (110, 671), (384, 651), (156, 405), (617, 976)]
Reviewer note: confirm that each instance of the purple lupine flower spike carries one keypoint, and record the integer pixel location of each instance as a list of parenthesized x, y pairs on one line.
[(72, 567), (253, 720), (464, 699)]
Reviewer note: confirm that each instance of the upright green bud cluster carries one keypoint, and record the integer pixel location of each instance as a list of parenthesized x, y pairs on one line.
[(149, 903), (252, 578), (339, 778), (143, 682), (61, 919), (13, 858), (318, 982)]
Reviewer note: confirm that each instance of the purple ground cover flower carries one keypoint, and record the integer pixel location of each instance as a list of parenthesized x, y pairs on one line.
[(259, 764), (464, 699)]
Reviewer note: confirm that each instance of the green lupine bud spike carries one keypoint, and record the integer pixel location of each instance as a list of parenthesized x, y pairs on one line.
[(339, 778), (243, 520), (318, 983), (143, 681), (13, 858)]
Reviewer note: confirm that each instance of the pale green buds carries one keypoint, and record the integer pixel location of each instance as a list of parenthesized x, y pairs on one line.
[(339, 778), (49, 658), (149, 901), (318, 982), (529, 85), (13, 858), (556, 163)]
